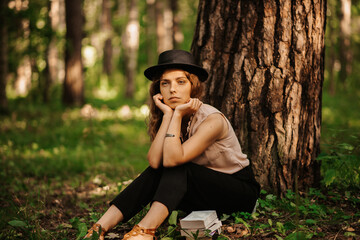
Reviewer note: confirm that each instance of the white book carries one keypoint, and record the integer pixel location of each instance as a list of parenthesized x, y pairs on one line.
[(198, 219), (202, 232)]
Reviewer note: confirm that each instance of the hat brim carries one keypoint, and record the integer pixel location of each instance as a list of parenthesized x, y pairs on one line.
[(154, 71)]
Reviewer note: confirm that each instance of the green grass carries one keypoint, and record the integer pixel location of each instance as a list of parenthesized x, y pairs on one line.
[(44, 149), (60, 168), (340, 140)]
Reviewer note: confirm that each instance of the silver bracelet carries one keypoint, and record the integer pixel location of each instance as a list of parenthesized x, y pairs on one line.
[(169, 135)]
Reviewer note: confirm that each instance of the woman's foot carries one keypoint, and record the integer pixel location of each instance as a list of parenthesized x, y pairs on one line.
[(140, 233), (96, 228)]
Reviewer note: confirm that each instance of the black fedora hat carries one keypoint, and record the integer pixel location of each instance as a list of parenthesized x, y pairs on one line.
[(177, 59)]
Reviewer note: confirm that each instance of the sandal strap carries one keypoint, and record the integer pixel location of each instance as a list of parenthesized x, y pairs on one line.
[(137, 230), (96, 227)]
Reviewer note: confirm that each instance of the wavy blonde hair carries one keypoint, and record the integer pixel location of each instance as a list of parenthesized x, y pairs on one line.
[(156, 114)]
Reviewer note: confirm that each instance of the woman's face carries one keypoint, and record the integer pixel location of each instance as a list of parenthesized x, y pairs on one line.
[(175, 87)]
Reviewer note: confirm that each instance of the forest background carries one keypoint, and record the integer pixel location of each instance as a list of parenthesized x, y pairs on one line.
[(63, 160)]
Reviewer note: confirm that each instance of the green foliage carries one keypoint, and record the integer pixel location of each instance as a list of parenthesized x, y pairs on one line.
[(340, 161), (295, 216), (45, 148), (80, 226)]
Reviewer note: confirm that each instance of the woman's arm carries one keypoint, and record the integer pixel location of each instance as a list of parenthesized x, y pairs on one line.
[(155, 152), (175, 153)]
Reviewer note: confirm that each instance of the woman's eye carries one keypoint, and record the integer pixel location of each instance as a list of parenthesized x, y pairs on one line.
[(164, 83)]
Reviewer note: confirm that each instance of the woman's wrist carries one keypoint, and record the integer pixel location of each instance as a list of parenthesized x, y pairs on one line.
[(177, 114), (168, 115)]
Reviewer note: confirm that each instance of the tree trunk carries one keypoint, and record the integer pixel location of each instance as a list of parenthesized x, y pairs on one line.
[(3, 56), (164, 25), (22, 82), (178, 36), (345, 35), (150, 31), (23, 77), (107, 29), (74, 83), (331, 54), (52, 58), (131, 47), (266, 66)]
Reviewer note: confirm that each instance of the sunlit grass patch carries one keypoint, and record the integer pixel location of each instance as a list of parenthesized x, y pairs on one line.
[(52, 157)]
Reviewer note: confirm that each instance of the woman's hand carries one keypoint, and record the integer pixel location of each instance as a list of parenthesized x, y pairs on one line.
[(162, 106), (188, 108)]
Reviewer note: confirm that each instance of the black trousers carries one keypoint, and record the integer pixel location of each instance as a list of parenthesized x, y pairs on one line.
[(190, 187)]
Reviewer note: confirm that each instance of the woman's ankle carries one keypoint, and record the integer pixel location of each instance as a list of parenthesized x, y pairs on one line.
[(111, 218)]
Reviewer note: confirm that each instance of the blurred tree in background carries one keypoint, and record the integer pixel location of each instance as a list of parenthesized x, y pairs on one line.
[(3, 55), (117, 41), (342, 45), (33, 61), (73, 93)]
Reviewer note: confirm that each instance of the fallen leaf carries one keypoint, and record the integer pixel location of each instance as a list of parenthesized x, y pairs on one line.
[(350, 229), (244, 232), (65, 225), (112, 235), (230, 229)]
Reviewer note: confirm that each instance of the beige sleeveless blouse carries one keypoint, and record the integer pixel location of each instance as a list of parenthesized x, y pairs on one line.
[(225, 154)]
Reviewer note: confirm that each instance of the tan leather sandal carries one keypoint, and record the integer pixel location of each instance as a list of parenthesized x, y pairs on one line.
[(98, 229), (137, 230)]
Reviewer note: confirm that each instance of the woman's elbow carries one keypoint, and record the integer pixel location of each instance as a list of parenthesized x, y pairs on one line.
[(154, 166), (153, 163), (170, 162)]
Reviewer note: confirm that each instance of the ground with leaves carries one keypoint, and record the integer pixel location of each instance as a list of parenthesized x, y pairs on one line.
[(61, 167), (66, 212)]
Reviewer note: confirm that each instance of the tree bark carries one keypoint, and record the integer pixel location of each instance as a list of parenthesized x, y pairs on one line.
[(107, 28), (131, 47), (3, 56), (52, 56), (74, 84), (150, 31), (178, 36), (331, 42), (266, 66), (345, 35), (164, 25)]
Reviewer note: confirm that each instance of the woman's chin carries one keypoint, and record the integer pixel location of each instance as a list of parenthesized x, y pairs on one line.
[(173, 105)]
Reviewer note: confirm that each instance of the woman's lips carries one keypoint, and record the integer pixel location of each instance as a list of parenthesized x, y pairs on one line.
[(174, 99)]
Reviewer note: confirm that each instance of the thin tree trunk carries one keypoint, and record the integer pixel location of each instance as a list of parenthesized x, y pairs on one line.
[(52, 59), (23, 77), (164, 25), (150, 31), (266, 66), (131, 47), (107, 28), (74, 83), (3, 56), (331, 58), (345, 35), (178, 36), (22, 82)]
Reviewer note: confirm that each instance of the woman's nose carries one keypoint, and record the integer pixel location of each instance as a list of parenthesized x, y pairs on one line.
[(172, 88)]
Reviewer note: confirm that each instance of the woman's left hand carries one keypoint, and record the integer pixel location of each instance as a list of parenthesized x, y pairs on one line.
[(188, 108)]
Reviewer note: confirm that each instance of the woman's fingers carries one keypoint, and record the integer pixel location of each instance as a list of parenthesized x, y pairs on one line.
[(190, 107), (158, 97), (162, 106), (195, 103)]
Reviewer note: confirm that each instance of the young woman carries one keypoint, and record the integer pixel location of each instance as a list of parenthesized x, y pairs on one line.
[(195, 159)]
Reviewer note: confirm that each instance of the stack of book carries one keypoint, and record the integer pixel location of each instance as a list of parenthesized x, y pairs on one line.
[(200, 224)]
